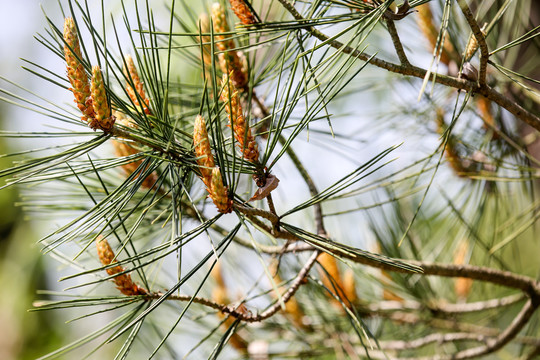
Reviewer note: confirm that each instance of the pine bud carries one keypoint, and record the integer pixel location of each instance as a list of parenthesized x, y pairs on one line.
[(242, 11), (229, 61), (203, 152), (102, 113), (462, 286), (331, 278), (233, 63), (431, 33), (219, 193), (123, 282), (472, 45), (219, 293), (349, 286), (75, 69), (241, 130), (484, 108), (219, 19), (130, 72)]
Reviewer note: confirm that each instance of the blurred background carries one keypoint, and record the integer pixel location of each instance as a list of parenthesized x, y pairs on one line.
[(23, 335)]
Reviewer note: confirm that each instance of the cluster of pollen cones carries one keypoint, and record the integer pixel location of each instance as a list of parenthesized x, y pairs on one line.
[(90, 95)]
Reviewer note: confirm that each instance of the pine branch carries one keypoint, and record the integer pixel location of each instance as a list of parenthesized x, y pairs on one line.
[(504, 338), (410, 70), (443, 307), (397, 42)]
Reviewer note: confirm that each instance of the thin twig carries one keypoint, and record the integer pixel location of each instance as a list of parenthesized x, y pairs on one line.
[(247, 316), (492, 338), (397, 42), (385, 306), (272, 209), (270, 216), (480, 38), (431, 338), (479, 305), (453, 325), (504, 338)]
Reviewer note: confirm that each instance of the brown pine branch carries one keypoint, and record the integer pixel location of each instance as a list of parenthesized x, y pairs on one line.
[(397, 42), (504, 338), (445, 308), (410, 70), (413, 319), (268, 215), (430, 339)]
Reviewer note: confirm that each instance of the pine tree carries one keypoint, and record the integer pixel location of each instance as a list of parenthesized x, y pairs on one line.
[(241, 180)]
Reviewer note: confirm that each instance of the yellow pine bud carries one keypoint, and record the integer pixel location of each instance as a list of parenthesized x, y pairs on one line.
[(462, 286), (349, 286), (472, 45), (450, 152), (219, 193), (484, 107), (229, 61), (219, 19), (241, 130), (203, 152), (232, 63), (123, 148), (130, 71), (331, 278), (102, 113), (242, 11), (123, 282), (427, 27), (454, 159), (219, 293), (75, 69)]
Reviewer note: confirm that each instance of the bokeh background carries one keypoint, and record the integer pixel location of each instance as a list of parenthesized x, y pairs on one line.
[(23, 335)]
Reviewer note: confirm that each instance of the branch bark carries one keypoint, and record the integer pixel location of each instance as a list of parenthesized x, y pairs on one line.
[(397, 42)]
